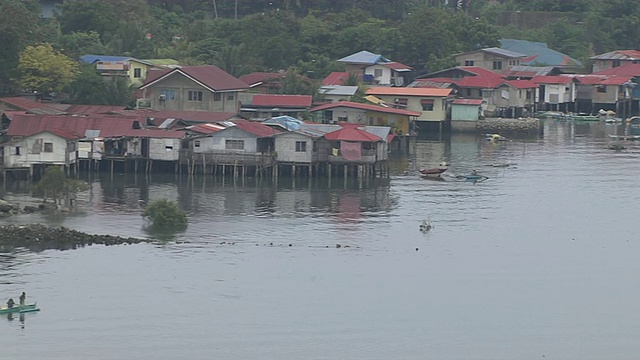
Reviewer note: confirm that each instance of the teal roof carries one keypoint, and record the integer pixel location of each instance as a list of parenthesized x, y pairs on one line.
[(538, 53)]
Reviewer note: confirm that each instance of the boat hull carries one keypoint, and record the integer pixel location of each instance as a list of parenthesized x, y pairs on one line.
[(19, 309), (432, 173)]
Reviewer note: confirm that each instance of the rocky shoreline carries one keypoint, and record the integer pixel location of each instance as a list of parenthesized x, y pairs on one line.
[(36, 237)]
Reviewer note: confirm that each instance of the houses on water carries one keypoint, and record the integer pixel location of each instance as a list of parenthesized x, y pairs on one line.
[(201, 119)]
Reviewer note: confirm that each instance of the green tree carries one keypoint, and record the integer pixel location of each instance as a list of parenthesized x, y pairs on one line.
[(55, 185), (18, 27), (45, 70), (77, 44), (164, 213), (87, 16)]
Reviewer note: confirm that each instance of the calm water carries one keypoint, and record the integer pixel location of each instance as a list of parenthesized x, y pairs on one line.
[(540, 261)]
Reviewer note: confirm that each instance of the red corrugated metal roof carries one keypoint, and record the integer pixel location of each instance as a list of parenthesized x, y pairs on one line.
[(616, 80), (624, 70), (256, 128), (209, 76), (467, 102), (92, 109), (551, 79), (589, 79), (296, 101), (19, 103), (619, 55), (352, 132), (66, 134), (396, 66), (256, 78), (522, 84), (27, 125), (434, 92), (480, 71), (367, 107), (206, 128), (336, 78), (484, 82)]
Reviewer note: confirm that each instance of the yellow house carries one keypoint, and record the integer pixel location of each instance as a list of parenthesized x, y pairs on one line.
[(373, 115), (431, 103)]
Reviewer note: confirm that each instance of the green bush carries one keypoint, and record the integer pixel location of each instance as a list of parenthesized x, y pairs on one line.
[(164, 213)]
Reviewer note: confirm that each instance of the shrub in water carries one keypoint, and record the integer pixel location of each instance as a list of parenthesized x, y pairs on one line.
[(164, 213)]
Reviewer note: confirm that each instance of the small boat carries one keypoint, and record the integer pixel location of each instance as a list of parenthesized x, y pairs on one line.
[(472, 177), (19, 309), (625, 137), (585, 117), (435, 172)]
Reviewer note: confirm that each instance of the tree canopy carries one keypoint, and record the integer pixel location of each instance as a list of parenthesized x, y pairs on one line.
[(242, 36), (45, 70)]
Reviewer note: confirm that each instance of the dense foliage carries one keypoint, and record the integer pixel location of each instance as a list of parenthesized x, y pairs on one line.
[(164, 213), (304, 36)]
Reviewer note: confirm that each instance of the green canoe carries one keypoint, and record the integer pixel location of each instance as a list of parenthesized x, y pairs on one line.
[(19, 309)]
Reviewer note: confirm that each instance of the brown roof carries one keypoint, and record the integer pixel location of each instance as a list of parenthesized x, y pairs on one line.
[(409, 91), (207, 76), (367, 107)]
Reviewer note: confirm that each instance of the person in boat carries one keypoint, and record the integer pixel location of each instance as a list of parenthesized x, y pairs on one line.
[(10, 303), (474, 172), (23, 297)]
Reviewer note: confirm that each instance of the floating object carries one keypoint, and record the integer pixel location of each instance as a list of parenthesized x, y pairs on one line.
[(495, 137), (617, 147), (625, 137), (435, 172), (472, 177), (426, 226), (19, 309)]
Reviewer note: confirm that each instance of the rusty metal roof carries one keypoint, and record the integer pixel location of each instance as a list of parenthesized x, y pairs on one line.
[(210, 77)]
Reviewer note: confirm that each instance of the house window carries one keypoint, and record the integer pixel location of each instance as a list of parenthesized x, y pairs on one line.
[(602, 89), (196, 143), (195, 95), (371, 120), (234, 144), (137, 73), (400, 103), (230, 96), (427, 104), (17, 150), (497, 65), (469, 63), (343, 118), (217, 96), (616, 63), (468, 92), (48, 147), (168, 94), (168, 147), (301, 146), (528, 95), (377, 72)]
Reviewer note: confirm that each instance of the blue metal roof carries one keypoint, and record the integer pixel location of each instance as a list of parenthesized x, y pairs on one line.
[(90, 59), (540, 52), (364, 57)]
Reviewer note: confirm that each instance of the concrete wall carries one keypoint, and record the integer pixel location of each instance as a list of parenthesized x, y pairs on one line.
[(463, 126), (384, 79), (564, 93), (32, 151), (164, 149), (181, 85), (608, 97), (285, 145), (485, 60)]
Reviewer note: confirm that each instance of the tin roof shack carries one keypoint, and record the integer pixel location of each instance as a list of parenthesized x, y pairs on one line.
[(354, 144), (490, 58), (398, 120), (46, 147), (163, 145), (615, 59), (595, 92), (240, 143), (264, 106), (465, 113), (511, 99), (556, 93)]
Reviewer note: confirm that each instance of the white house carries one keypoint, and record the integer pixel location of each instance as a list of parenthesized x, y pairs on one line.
[(50, 147), (555, 92)]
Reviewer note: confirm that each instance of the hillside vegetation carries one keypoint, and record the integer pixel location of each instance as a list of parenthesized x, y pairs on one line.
[(306, 36)]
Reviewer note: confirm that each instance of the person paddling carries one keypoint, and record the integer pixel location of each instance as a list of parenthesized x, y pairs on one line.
[(23, 297), (10, 303)]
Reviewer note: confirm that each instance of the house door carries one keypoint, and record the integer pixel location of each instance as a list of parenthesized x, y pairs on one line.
[(144, 147)]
